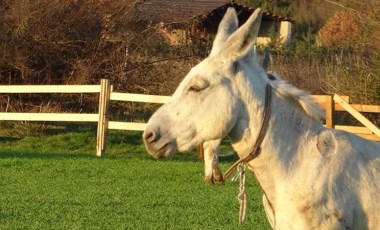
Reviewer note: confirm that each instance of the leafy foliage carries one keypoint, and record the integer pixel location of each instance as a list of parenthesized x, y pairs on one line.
[(80, 42), (342, 30)]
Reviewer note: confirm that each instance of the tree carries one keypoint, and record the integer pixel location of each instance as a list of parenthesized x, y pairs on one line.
[(342, 30)]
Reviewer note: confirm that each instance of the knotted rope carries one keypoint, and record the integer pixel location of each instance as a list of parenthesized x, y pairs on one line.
[(242, 194), (242, 197)]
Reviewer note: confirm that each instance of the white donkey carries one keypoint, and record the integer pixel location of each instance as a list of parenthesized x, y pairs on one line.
[(312, 177)]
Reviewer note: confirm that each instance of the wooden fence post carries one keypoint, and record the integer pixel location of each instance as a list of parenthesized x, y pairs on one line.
[(104, 98), (329, 111)]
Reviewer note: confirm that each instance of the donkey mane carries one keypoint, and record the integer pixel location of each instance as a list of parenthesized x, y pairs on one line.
[(301, 98)]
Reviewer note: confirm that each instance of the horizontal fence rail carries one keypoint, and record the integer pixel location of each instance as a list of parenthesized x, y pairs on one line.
[(139, 98), (329, 103), (72, 117), (130, 97), (49, 88)]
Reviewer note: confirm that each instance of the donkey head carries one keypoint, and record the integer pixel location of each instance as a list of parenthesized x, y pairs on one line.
[(206, 104)]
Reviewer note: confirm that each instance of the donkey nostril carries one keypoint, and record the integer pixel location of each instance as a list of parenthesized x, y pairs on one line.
[(150, 136)]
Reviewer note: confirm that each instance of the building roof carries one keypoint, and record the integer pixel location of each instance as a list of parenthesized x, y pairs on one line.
[(169, 11), (177, 11)]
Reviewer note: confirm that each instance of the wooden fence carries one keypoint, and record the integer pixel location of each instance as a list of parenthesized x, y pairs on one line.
[(328, 102)]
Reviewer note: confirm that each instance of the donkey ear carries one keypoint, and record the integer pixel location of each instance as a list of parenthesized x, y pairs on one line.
[(241, 42), (227, 26)]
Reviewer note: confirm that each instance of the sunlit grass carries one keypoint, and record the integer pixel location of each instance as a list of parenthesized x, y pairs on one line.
[(57, 182)]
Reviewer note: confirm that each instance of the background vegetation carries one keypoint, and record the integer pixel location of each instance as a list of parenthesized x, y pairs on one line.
[(334, 49)]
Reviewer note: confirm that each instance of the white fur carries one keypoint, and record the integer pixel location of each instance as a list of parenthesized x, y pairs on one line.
[(213, 173), (312, 177)]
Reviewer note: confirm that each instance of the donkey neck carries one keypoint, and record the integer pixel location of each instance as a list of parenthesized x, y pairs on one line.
[(288, 121), (288, 127)]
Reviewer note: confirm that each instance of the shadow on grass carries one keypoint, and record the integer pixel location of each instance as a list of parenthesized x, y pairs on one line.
[(130, 138), (35, 155), (9, 139), (24, 154), (181, 157)]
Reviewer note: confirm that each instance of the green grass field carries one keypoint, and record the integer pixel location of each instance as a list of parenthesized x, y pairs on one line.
[(57, 182)]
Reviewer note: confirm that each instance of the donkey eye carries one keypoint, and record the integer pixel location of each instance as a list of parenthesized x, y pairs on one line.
[(195, 88), (199, 86)]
